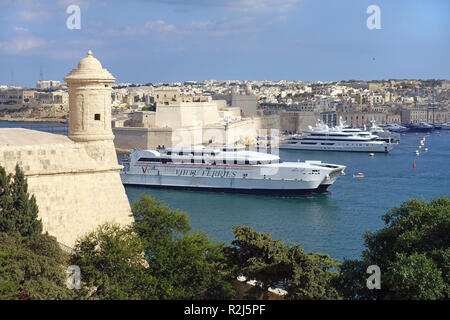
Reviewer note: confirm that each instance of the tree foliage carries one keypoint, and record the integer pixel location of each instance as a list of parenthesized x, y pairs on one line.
[(187, 265), (272, 263), (32, 264), (32, 268), (412, 252), (112, 265), (18, 210), (156, 258)]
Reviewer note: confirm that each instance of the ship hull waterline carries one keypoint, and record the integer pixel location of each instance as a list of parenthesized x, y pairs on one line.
[(227, 186)]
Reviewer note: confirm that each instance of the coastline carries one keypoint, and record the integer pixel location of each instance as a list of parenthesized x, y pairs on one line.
[(32, 119)]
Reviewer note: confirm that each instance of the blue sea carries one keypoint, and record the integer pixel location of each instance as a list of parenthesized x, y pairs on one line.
[(331, 223)]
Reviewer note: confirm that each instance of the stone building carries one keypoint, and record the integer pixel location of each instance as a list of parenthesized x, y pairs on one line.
[(413, 115), (201, 121), (297, 121), (74, 178), (359, 119)]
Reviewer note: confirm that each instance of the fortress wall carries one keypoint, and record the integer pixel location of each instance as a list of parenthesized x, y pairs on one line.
[(77, 185), (73, 204), (131, 138), (142, 138), (295, 121)]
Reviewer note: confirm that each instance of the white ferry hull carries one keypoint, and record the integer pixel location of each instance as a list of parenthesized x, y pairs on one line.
[(270, 186)]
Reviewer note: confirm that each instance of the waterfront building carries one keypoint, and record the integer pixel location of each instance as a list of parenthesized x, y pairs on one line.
[(414, 114), (437, 115), (11, 95), (329, 118), (359, 119), (48, 84)]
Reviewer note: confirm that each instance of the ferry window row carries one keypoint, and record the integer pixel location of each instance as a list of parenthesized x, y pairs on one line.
[(192, 153), (216, 162)]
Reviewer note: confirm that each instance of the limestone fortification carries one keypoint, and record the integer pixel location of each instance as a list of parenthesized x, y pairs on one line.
[(75, 179)]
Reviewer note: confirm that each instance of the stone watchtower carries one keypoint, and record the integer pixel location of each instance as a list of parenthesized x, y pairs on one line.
[(89, 88), (75, 179)]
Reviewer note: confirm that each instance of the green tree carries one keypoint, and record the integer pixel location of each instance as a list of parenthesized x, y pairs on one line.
[(155, 258), (112, 265), (157, 224), (18, 210), (272, 263), (32, 264), (412, 252), (186, 265), (191, 267), (32, 268)]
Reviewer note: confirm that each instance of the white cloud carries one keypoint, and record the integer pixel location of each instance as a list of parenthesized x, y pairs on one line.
[(150, 27), (20, 29), (220, 27), (83, 4), (22, 45), (32, 11), (249, 6), (159, 25)]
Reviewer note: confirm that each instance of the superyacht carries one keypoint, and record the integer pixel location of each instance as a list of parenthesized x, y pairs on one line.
[(339, 138)]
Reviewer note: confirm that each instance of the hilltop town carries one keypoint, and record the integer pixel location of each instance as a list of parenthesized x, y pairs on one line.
[(235, 112)]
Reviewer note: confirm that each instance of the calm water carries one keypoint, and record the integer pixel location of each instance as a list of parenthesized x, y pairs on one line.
[(332, 223), (52, 127)]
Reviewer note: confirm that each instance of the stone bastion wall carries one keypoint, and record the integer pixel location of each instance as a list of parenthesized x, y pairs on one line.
[(77, 185)]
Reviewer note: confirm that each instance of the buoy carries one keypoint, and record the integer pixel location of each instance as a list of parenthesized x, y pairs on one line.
[(414, 164)]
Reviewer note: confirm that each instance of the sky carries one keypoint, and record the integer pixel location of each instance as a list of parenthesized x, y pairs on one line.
[(162, 41)]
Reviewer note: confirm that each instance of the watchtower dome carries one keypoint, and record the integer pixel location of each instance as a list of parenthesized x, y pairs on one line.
[(89, 87)]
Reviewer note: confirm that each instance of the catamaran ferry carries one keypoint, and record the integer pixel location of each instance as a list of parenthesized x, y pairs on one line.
[(227, 170)]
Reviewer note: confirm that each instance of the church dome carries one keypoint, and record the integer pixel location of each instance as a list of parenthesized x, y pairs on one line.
[(89, 68)]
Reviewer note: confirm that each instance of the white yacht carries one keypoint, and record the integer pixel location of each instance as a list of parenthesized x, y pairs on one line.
[(442, 126), (393, 127), (339, 138), (384, 135), (375, 130), (227, 170), (445, 126)]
